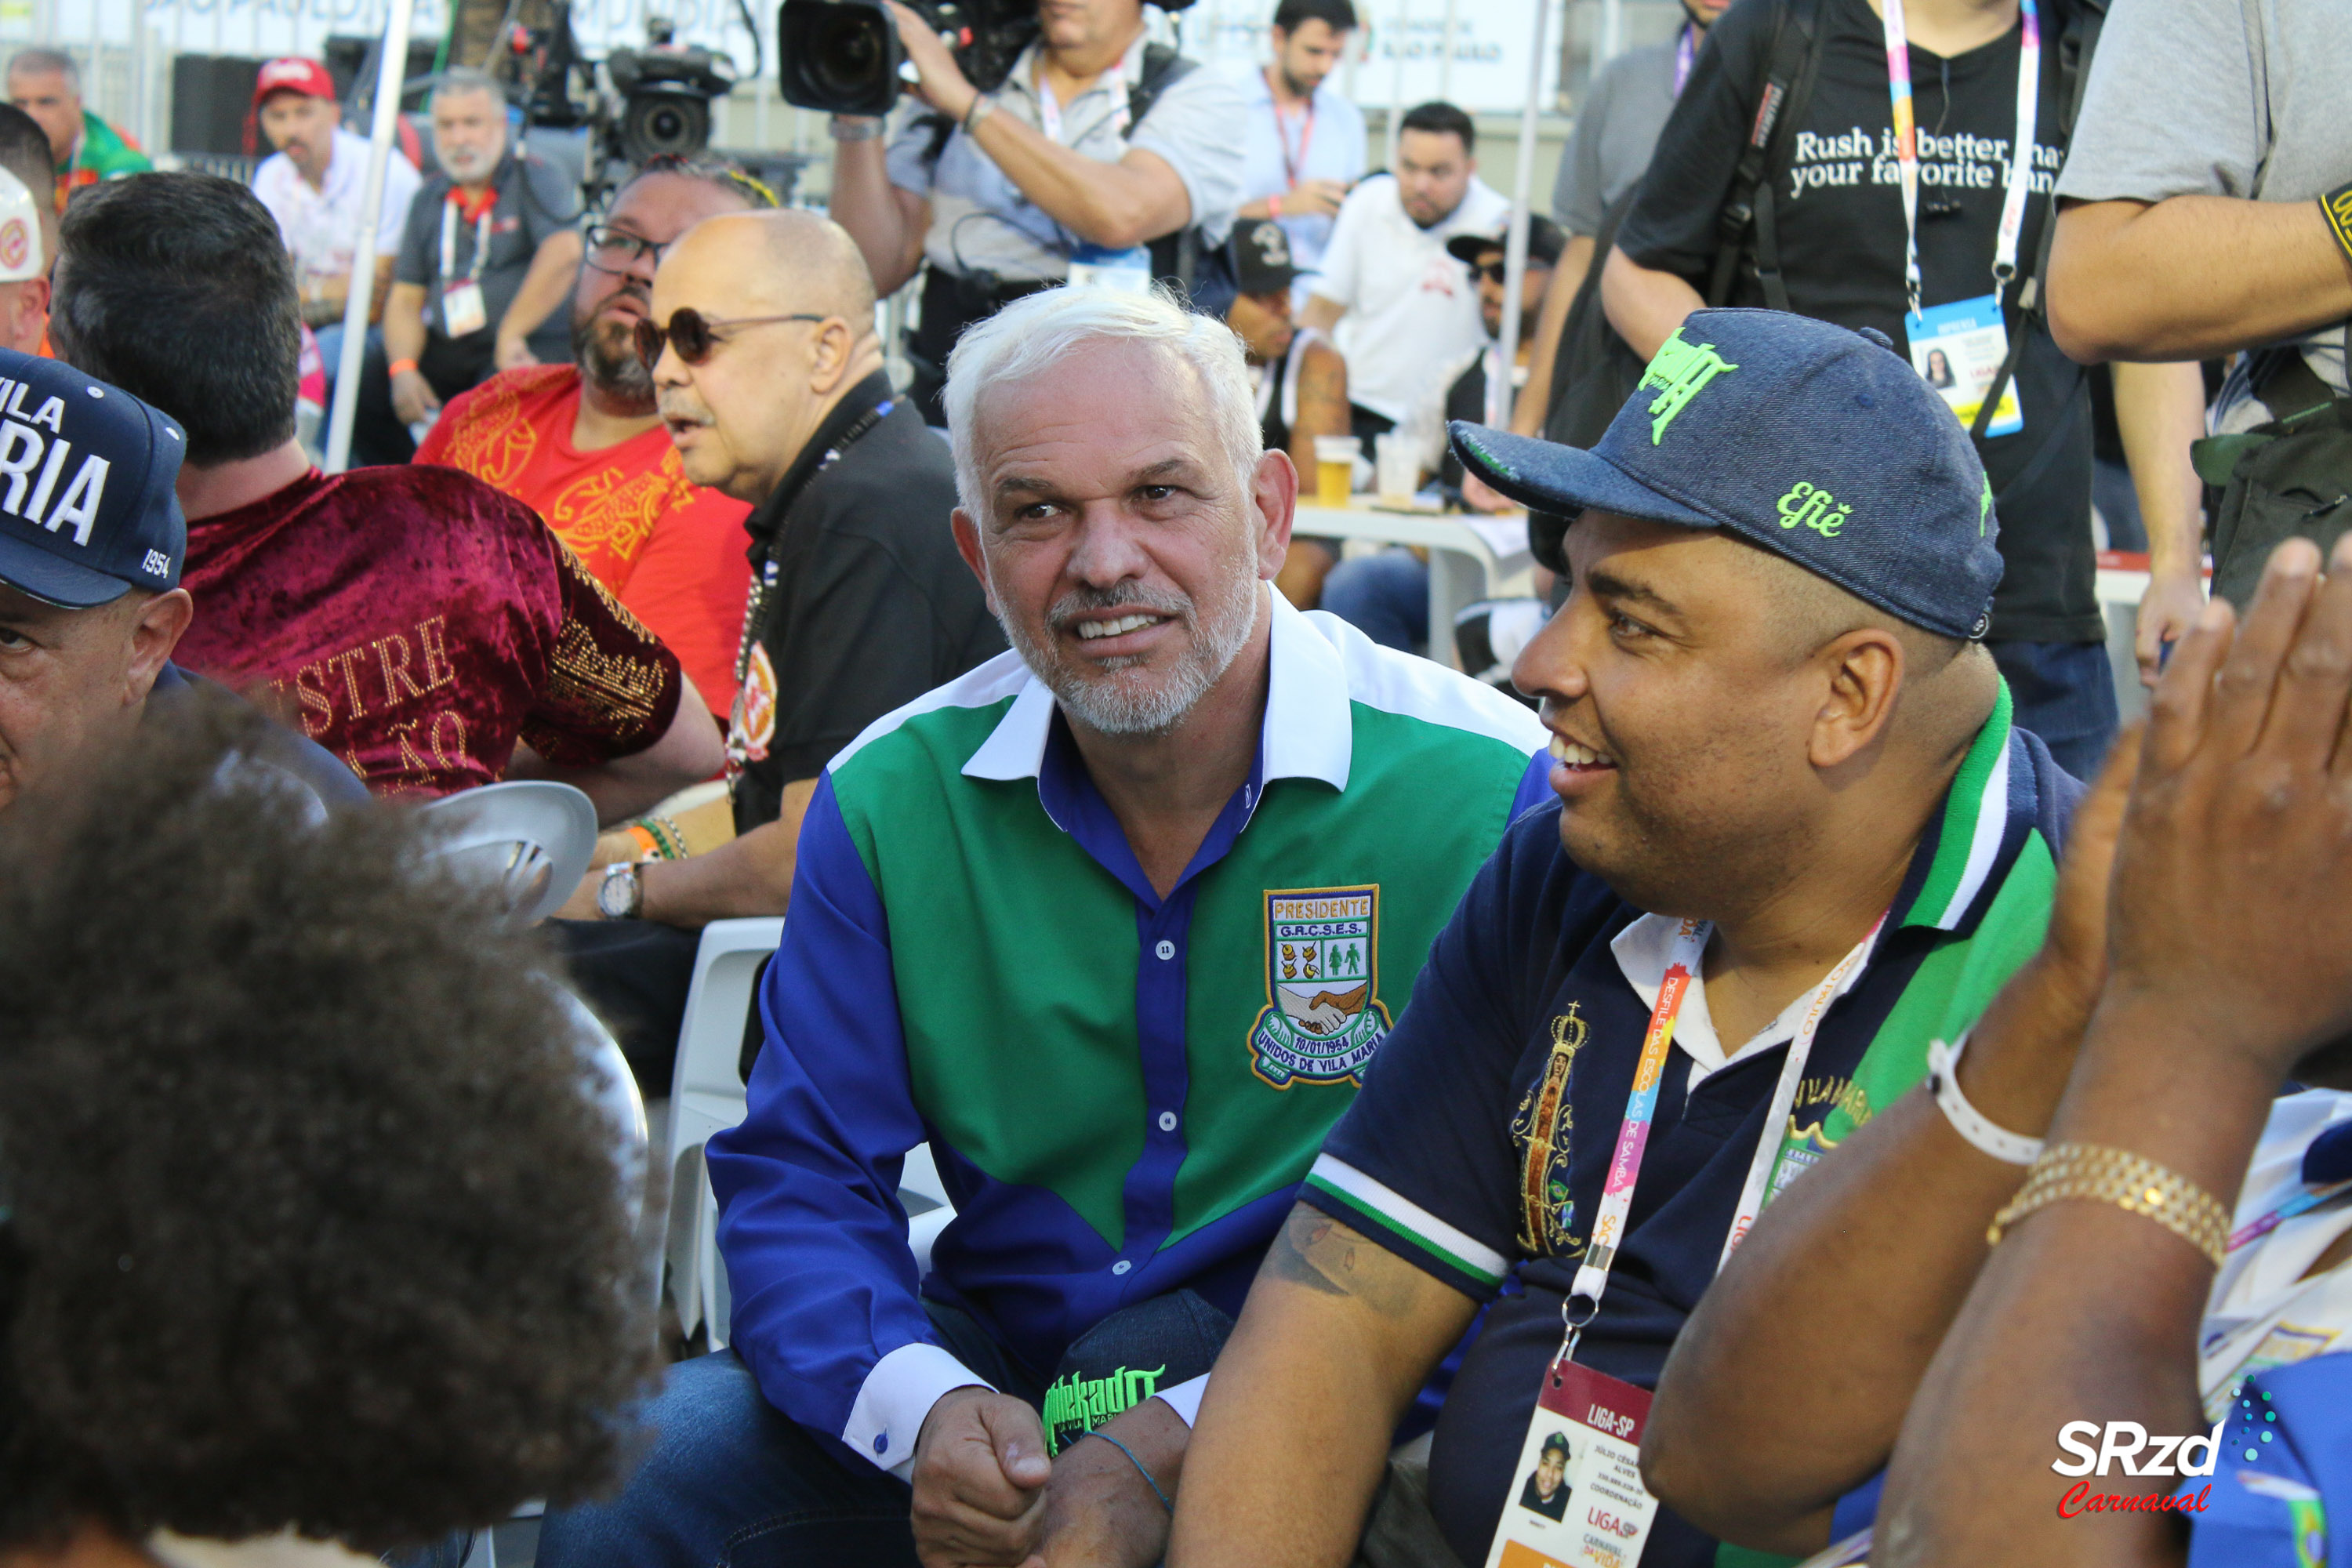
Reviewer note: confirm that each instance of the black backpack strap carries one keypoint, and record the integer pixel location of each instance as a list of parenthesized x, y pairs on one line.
[(1791, 65), (2077, 43), (941, 128), (1163, 67)]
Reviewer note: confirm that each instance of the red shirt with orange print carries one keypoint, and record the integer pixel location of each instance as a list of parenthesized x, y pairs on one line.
[(673, 554)]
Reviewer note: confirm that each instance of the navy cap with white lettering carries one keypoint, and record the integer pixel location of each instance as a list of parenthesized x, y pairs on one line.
[(88, 510), (1813, 441)]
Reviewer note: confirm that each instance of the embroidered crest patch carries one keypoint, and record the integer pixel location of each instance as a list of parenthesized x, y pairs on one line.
[(753, 724), (1323, 1017)]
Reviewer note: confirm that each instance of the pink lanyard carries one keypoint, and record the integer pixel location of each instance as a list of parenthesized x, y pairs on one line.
[(1291, 166), (1907, 145)]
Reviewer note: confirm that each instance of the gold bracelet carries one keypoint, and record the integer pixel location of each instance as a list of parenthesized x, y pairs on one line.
[(2121, 1177)]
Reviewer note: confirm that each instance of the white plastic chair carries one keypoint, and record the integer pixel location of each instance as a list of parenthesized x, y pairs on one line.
[(617, 1096), (706, 1097), (532, 838)]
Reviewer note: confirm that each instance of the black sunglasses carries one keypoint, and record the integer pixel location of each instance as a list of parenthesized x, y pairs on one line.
[(695, 335)]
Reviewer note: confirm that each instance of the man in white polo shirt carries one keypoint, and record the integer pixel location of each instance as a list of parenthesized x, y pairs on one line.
[(315, 185), (1403, 308)]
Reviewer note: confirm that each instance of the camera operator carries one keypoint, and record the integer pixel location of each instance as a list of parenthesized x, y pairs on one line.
[(1096, 145), (488, 256)]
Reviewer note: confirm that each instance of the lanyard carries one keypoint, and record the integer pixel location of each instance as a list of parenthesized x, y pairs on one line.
[(1292, 167), (1685, 51), (1641, 1108), (2020, 152), (1049, 108), (2310, 1198), (449, 237), (755, 603)]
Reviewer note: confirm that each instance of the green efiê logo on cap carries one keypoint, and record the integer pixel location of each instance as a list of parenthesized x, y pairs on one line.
[(1813, 506), (1680, 371)]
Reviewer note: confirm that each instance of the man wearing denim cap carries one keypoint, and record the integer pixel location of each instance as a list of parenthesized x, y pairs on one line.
[(1785, 765), (91, 540)]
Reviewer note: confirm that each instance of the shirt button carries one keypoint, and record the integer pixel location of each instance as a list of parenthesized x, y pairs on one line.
[(1121, 1267), (1168, 1121), (1166, 950)]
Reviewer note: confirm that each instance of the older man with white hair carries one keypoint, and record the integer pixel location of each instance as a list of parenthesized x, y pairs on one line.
[(1114, 924)]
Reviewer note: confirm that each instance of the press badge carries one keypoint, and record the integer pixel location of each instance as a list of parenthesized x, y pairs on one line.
[(461, 309), (1095, 267), (1576, 1499), (1958, 349)]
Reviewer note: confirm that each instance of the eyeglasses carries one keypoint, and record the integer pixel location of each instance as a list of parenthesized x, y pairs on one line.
[(614, 249), (695, 335), (1494, 272)]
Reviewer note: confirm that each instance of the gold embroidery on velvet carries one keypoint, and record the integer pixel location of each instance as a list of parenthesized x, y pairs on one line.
[(619, 688), (578, 572)]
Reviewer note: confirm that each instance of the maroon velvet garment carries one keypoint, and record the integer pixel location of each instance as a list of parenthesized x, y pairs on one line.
[(417, 623)]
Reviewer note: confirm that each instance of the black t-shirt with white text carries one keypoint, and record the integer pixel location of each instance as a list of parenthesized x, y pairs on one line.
[(1839, 211)]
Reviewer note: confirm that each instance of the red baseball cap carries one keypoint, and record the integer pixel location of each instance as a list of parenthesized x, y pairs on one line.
[(293, 74)]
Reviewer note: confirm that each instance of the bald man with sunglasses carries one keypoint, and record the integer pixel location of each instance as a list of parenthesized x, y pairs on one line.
[(768, 373)]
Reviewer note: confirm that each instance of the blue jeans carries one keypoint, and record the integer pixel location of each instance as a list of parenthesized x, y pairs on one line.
[(1384, 597), (733, 1482), (2065, 693)]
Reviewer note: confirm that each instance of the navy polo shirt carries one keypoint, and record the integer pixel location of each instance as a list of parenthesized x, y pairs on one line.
[(1478, 1146)]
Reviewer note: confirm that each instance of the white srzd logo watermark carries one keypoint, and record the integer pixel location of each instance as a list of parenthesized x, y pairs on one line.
[(2141, 1453)]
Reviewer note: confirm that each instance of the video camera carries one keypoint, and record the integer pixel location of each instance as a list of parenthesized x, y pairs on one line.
[(665, 91), (842, 56)]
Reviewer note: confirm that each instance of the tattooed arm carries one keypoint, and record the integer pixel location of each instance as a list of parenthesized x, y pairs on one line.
[(1337, 1336)]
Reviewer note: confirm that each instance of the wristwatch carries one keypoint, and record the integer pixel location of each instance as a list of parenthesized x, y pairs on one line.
[(621, 896)]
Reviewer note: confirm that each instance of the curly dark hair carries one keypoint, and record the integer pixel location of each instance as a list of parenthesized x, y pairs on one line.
[(315, 1222)]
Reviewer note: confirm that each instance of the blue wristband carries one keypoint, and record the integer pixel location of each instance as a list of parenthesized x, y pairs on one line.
[(1139, 1467)]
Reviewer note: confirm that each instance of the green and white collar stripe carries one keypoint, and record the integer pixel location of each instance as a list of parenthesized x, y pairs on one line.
[(1393, 1210), (1976, 818), (1319, 669)]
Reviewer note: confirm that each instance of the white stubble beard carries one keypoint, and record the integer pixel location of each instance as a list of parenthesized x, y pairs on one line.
[(1113, 706)]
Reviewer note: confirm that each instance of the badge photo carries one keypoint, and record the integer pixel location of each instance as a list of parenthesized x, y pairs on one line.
[(1577, 1496), (462, 311), (1958, 349)]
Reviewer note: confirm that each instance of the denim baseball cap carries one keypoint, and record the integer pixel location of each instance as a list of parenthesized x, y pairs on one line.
[(1816, 442), (88, 510)]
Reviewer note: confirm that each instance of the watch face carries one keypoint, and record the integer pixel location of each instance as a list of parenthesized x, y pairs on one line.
[(616, 893)]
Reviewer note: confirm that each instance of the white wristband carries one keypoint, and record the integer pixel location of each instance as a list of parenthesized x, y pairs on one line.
[(1944, 1078)]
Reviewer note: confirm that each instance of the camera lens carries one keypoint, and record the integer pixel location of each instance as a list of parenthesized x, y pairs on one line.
[(847, 54), (656, 124)]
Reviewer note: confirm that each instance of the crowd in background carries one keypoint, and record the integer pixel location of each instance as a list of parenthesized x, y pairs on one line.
[(1748, 1069)]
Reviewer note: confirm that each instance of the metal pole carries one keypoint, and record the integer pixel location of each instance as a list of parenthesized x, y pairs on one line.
[(1515, 249), (1612, 32), (97, 72), (1445, 61), (1396, 78), (392, 70)]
